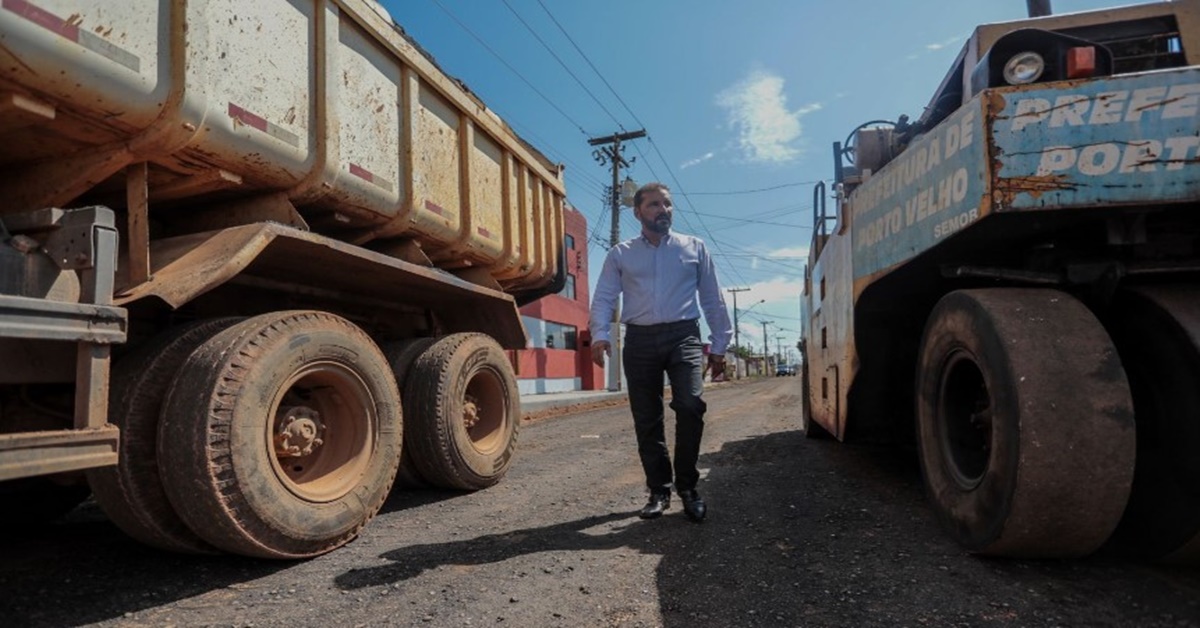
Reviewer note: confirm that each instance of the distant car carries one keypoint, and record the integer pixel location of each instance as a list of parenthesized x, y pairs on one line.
[(784, 370)]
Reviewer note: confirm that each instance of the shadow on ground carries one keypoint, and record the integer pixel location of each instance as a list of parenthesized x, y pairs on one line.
[(817, 533), (100, 574)]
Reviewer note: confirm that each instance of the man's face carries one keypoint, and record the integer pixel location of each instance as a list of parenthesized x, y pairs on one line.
[(655, 211)]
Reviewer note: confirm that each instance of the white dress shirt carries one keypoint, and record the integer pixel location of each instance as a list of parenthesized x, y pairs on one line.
[(660, 284)]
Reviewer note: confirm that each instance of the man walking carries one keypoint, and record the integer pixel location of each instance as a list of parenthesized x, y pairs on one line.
[(660, 273)]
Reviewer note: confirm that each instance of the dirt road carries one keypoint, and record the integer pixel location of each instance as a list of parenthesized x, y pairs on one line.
[(799, 533)]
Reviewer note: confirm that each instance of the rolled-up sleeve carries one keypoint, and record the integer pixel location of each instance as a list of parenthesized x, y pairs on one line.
[(604, 299), (712, 302)]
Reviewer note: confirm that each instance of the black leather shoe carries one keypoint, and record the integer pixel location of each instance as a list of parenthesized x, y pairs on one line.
[(655, 507), (693, 505)]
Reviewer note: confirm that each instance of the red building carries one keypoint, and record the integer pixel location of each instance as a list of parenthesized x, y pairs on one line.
[(559, 357)]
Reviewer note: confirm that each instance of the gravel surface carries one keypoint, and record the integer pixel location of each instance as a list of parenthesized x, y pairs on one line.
[(800, 533)]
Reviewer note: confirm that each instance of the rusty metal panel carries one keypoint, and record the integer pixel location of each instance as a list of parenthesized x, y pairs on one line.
[(931, 190), (259, 84), (328, 101), (115, 50), (188, 266), (510, 256), (370, 130), (1121, 141), (25, 317), (436, 168), (486, 189), (39, 453)]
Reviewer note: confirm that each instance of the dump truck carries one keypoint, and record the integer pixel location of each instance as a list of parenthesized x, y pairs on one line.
[(1009, 284), (258, 260)]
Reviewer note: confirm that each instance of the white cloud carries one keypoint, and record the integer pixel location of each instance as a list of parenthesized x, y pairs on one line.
[(780, 303), (791, 251), (757, 109), (779, 291), (941, 44), (795, 255), (699, 160)]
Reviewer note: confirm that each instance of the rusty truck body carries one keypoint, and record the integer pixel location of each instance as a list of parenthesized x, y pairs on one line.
[(256, 261), (1020, 267)]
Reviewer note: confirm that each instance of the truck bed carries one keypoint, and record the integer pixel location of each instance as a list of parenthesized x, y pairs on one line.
[(327, 103)]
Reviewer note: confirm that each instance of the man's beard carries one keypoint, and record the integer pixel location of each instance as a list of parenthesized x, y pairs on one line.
[(659, 225)]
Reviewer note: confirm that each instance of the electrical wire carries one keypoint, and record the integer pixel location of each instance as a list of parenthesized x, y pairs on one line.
[(509, 66), (560, 62), (756, 190), (592, 65)]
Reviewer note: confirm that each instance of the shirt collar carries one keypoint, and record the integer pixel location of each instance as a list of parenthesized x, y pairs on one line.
[(666, 238)]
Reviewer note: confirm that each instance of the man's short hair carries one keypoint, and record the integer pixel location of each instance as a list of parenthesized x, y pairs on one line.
[(649, 187)]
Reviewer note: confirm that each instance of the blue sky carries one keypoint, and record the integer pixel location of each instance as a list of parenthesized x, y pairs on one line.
[(736, 97)]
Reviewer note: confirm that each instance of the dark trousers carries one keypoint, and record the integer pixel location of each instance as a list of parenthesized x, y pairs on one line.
[(676, 349)]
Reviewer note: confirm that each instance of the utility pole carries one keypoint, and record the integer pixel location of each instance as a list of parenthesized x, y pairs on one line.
[(734, 291), (766, 361), (610, 152)]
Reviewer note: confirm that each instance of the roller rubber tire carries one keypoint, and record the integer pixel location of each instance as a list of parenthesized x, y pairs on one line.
[(1025, 423), (1157, 331)]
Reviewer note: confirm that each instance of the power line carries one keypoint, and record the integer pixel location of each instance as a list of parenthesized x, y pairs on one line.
[(754, 222), (509, 66), (653, 144), (756, 190), (560, 62), (526, 132), (691, 205), (764, 257), (589, 62)]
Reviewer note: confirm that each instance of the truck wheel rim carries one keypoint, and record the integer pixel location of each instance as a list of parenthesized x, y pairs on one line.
[(485, 411), (965, 420), (322, 433)]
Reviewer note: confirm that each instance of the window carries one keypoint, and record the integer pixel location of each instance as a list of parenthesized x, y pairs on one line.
[(560, 336), (568, 290), (570, 242)]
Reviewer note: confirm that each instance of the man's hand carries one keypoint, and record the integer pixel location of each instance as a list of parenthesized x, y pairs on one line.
[(716, 363), (599, 350)]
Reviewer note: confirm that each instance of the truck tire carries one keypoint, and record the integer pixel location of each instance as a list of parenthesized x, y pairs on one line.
[(283, 434), (465, 411), (1025, 423), (401, 356), (1157, 331), (131, 493), (812, 429)]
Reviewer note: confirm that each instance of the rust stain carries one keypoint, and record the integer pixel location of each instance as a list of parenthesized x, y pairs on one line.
[(17, 59), (997, 96), (995, 197), (1006, 189)]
